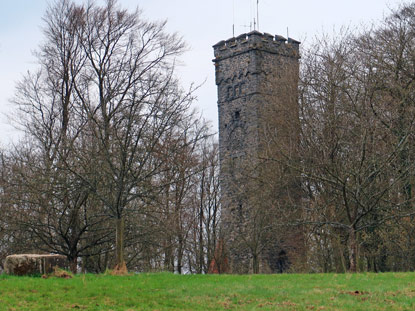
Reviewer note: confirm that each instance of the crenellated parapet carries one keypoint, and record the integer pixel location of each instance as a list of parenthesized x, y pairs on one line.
[(256, 40)]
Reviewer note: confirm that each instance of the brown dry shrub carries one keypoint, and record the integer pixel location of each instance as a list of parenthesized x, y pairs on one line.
[(59, 273), (119, 270)]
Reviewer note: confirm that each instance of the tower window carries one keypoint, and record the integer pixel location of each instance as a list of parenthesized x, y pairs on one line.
[(237, 115), (240, 210)]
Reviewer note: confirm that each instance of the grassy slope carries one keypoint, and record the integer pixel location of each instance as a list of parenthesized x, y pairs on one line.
[(389, 291)]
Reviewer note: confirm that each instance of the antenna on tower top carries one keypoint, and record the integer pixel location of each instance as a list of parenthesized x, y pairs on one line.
[(233, 18), (253, 18), (257, 13)]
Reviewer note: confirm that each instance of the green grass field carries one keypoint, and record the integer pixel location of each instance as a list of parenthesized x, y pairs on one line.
[(164, 291)]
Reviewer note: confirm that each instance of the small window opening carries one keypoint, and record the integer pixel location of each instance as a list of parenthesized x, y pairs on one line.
[(237, 115), (240, 210)]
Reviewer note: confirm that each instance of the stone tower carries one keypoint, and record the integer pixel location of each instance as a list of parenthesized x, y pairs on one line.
[(257, 79)]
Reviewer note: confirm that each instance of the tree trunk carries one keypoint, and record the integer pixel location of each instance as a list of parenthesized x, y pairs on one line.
[(201, 253), (202, 194), (84, 264), (255, 264), (352, 250), (73, 265), (168, 255), (119, 245), (180, 254), (339, 254)]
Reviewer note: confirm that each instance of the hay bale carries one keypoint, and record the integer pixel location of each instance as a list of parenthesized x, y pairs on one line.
[(28, 264)]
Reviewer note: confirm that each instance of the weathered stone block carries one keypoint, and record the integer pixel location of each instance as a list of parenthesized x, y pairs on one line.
[(27, 264)]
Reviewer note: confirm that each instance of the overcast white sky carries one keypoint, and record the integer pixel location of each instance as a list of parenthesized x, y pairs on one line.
[(202, 23)]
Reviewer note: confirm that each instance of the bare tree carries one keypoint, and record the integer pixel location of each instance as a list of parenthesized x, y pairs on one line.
[(357, 121), (98, 115), (133, 103), (45, 168), (210, 212)]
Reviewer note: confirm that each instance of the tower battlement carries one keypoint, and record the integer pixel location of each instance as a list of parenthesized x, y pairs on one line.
[(256, 40)]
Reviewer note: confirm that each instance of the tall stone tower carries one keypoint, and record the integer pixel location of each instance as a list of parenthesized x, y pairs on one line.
[(257, 79)]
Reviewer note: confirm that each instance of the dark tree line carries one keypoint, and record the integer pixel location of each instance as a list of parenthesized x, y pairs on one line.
[(357, 100), (113, 155)]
